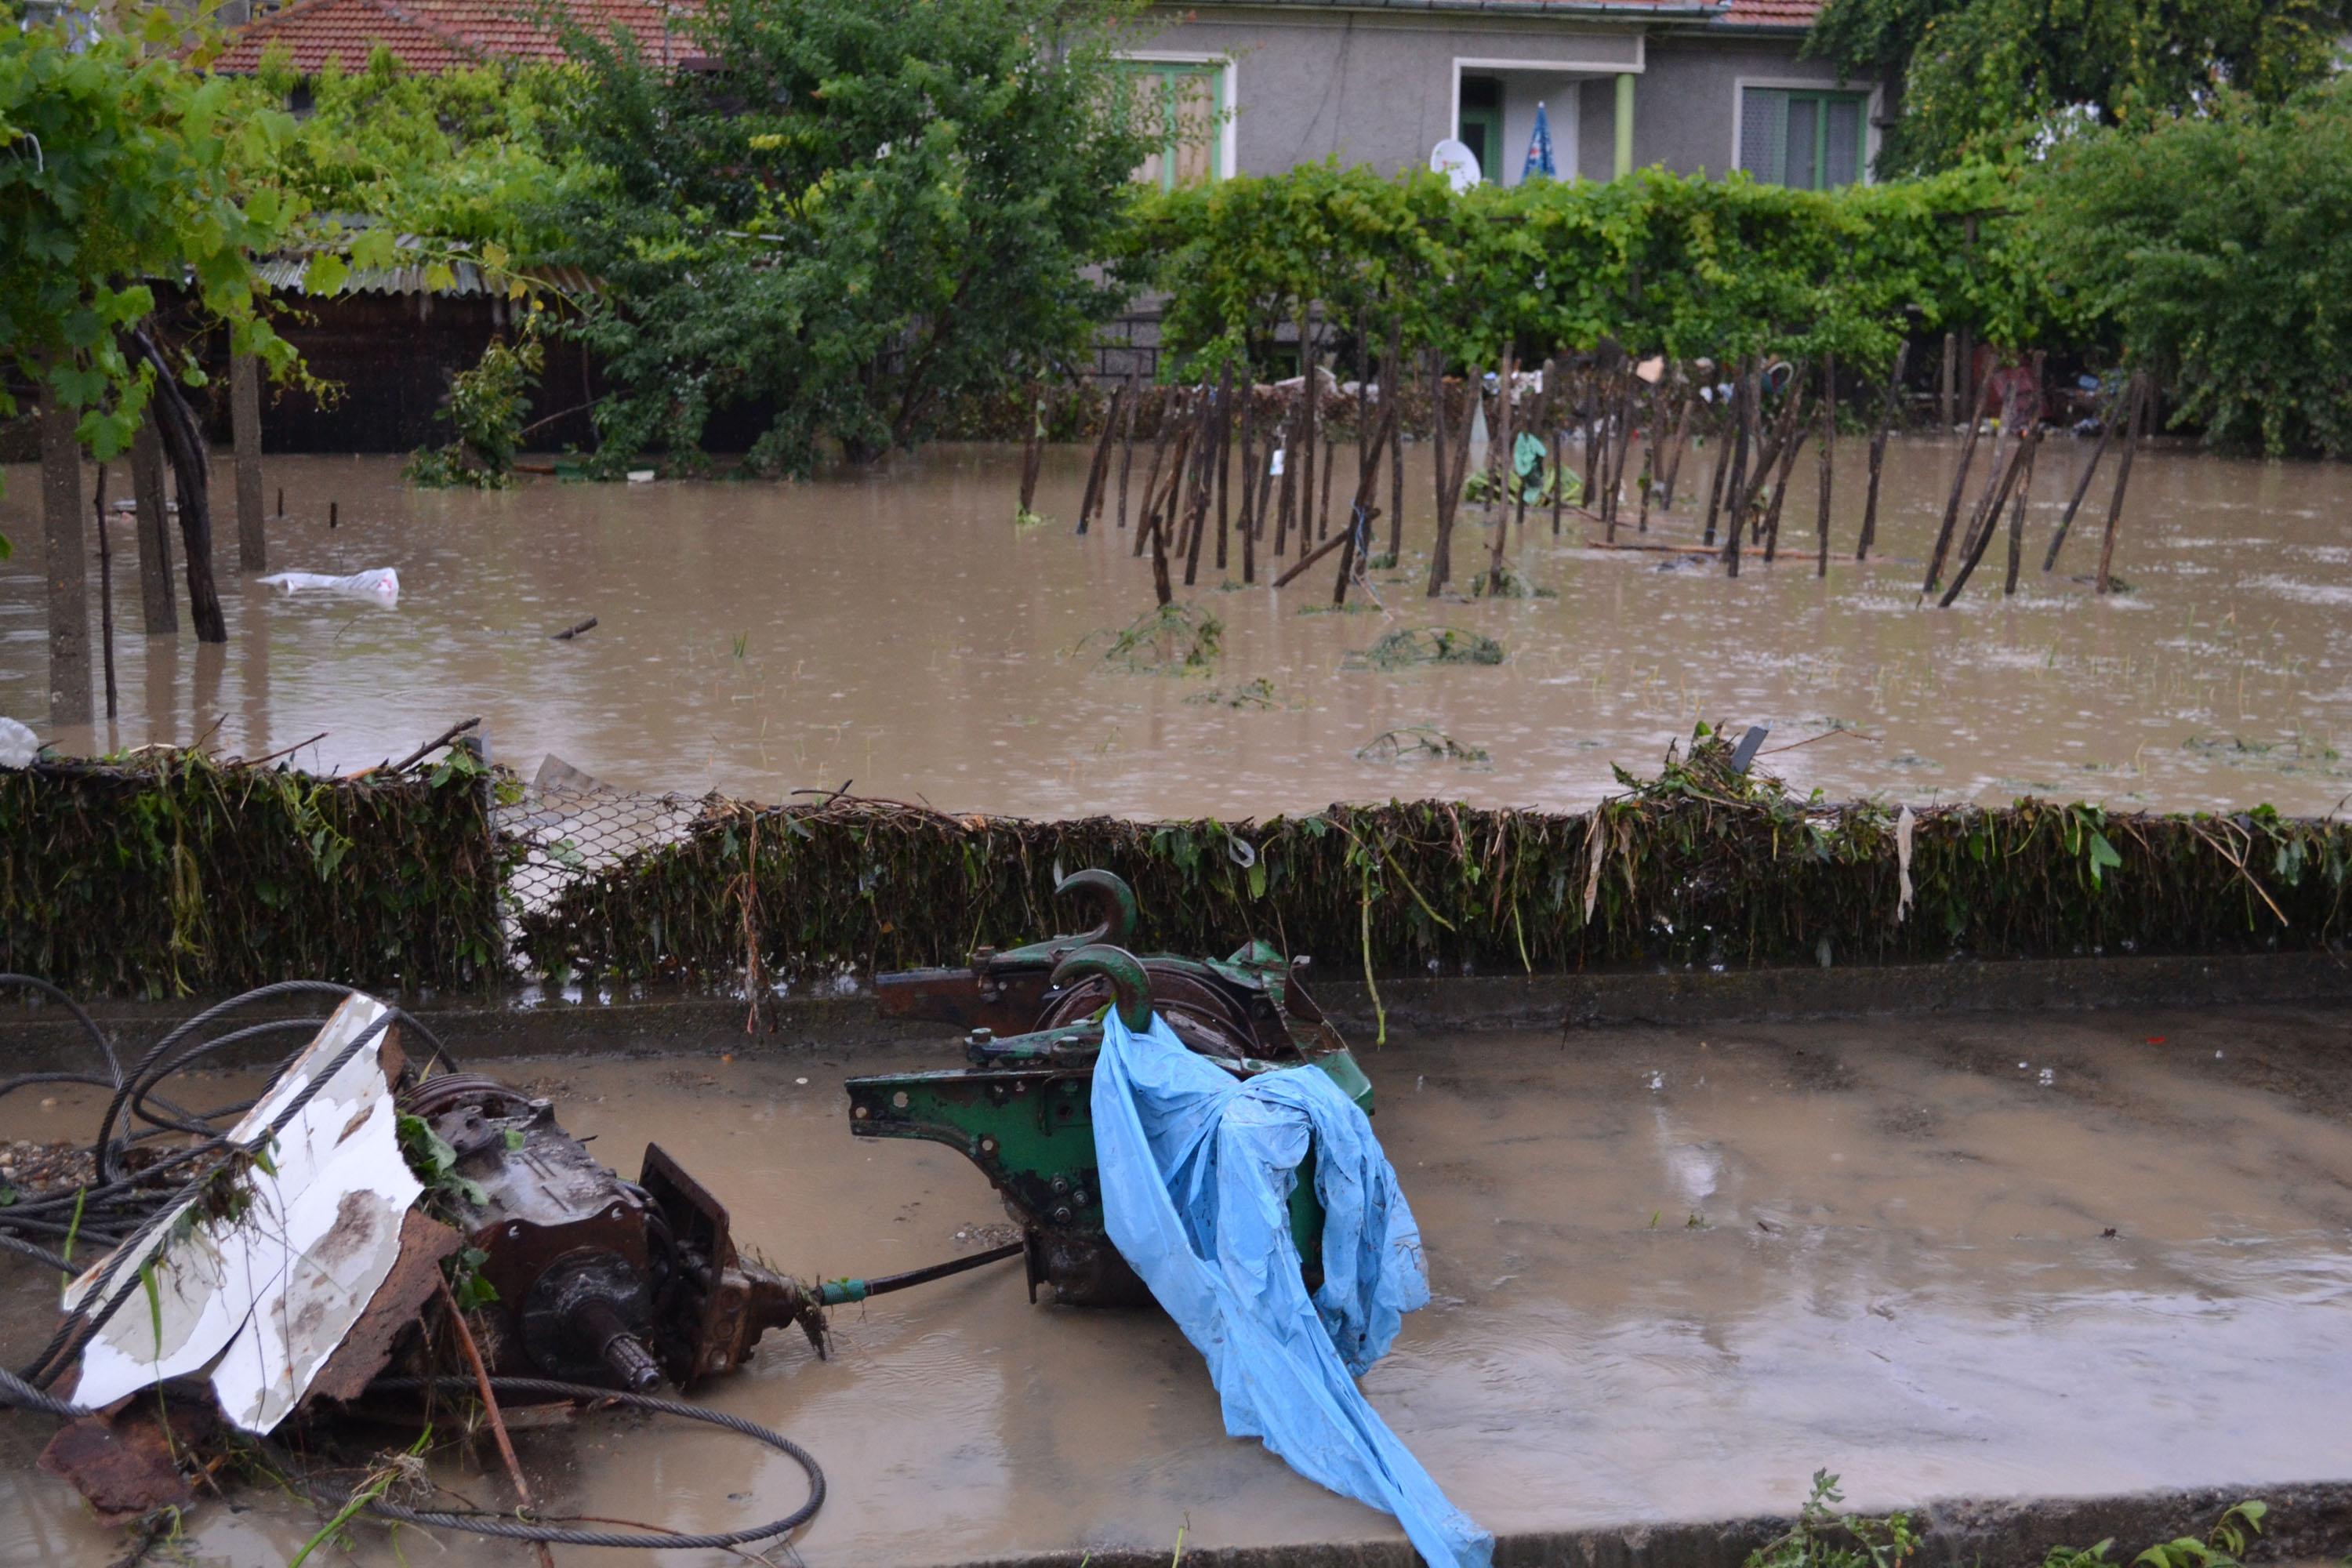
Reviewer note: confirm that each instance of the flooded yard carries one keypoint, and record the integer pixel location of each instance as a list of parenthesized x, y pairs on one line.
[(893, 628), (1675, 1270)]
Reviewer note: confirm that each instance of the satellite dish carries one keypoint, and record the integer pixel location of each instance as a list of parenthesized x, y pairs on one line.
[(1452, 159)]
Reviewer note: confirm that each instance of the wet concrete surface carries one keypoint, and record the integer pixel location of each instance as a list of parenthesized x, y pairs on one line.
[(1677, 1271), (890, 627)]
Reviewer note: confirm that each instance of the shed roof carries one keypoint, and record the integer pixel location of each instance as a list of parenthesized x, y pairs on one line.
[(435, 36)]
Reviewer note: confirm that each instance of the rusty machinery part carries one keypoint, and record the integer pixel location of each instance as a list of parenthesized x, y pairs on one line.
[(571, 1249), (711, 1306)]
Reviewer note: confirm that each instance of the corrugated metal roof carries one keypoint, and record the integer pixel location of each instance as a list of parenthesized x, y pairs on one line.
[(286, 274)]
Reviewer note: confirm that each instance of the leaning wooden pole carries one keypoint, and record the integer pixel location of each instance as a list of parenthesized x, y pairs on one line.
[(191, 461), (1127, 443), (1951, 507), (1878, 452), (2118, 406), (1099, 472), (2140, 403), (2017, 512), (1827, 455)]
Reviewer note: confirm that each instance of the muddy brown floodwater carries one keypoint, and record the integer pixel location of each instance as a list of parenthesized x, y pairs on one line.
[(1675, 1272), (893, 628)]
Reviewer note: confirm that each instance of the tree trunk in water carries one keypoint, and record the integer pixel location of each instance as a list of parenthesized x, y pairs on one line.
[(245, 423), (1878, 452), (183, 445), (159, 612), (1827, 455), (68, 551)]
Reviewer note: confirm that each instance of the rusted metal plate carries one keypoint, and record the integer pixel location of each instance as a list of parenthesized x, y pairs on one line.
[(415, 1276), (125, 1463)]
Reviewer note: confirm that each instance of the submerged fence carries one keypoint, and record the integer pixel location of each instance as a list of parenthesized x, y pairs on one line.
[(181, 875)]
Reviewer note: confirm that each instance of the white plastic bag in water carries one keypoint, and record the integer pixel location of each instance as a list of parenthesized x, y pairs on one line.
[(381, 583)]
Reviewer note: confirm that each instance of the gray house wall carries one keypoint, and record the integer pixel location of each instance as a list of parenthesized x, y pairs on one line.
[(1309, 84), (1373, 87)]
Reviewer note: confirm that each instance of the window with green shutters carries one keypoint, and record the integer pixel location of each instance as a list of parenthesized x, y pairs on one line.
[(1792, 136), (1182, 105)]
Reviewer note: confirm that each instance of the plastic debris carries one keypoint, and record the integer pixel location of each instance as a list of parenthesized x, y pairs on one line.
[(19, 747), (380, 584), (268, 1285), (1197, 1170)]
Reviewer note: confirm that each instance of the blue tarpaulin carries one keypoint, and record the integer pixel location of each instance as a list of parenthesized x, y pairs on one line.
[(1197, 1168)]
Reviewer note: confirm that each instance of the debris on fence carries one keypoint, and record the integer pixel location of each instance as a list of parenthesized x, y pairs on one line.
[(381, 585)]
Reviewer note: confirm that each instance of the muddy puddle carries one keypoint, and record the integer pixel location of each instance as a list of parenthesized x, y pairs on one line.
[(1675, 1272), (894, 629)]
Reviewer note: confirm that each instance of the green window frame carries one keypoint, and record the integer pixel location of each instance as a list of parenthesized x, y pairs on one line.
[(1172, 83), (1812, 138)]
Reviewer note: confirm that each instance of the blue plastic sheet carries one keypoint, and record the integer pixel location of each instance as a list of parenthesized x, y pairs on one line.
[(1197, 1168)]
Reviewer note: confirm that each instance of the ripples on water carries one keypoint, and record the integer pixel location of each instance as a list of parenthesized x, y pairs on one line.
[(891, 628)]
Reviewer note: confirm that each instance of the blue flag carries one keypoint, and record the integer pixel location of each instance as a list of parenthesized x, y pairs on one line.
[(1540, 150)]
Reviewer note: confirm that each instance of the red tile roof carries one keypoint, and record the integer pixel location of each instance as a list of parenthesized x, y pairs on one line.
[(1795, 14), (435, 36)]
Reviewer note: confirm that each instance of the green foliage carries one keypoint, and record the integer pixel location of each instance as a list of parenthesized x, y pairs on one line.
[(868, 213), (1990, 79), (1826, 1537), (486, 404), (1410, 645), (2223, 1546), (209, 878), (118, 164), (1656, 262), (1170, 639), (464, 157), (2210, 247)]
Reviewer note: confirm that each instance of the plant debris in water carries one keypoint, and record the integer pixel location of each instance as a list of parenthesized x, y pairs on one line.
[(1416, 742), (1171, 640), (1258, 694), (1426, 645), (1514, 585)]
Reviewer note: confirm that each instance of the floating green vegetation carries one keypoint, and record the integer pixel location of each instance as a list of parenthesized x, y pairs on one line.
[(1026, 522), (2298, 754), (1257, 694), (1514, 585), (1170, 639), (1418, 743), (1353, 607), (1410, 646)]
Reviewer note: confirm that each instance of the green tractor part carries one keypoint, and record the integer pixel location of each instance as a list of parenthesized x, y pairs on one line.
[(1023, 1111)]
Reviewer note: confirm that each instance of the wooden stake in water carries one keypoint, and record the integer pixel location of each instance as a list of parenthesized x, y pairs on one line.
[(1099, 472), (1393, 391), (1723, 417), (1951, 509), (1249, 484), (1741, 396), (1033, 455), (2144, 395), (2118, 408), (1168, 419), (1310, 387), (1878, 451), (1216, 418), (1503, 424), (1985, 521), (1827, 454), (1689, 403), (2017, 513), (1286, 508), (105, 591), (1126, 443), (1226, 414), (1947, 382)]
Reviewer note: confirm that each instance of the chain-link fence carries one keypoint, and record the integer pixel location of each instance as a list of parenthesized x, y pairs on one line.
[(571, 825)]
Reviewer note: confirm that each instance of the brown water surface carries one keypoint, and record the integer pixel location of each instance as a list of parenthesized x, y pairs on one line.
[(1674, 1273), (894, 628)]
